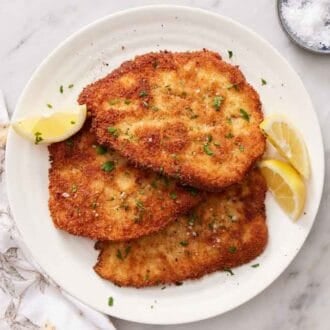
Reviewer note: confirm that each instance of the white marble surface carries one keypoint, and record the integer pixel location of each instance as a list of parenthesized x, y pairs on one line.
[(299, 299)]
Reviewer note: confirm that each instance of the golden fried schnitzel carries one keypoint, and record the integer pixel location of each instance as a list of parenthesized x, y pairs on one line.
[(188, 115), (94, 192), (227, 230)]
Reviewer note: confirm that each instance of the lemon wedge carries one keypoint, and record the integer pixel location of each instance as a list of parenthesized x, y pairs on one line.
[(288, 142), (56, 127), (286, 185)]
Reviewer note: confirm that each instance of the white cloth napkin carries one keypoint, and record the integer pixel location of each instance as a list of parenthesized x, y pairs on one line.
[(28, 298)]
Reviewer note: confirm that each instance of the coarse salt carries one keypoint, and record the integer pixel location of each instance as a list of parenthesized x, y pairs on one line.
[(309, 20)]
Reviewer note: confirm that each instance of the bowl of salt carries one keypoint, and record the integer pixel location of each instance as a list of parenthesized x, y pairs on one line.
[(307, 22)]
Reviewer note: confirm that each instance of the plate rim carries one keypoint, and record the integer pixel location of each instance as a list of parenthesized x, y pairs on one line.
[(194, 10)]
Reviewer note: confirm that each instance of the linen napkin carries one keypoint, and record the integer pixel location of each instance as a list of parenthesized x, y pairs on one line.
[(29, 299)]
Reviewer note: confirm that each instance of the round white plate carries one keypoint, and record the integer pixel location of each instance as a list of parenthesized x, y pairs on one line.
[(93, 52)]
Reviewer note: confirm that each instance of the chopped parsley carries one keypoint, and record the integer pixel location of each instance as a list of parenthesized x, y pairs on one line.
[(244, 114), (74, 188), (207, 150), (192, 191), (110, 301), (140, 204), (217, 144), (228, 270), (173, 195), (61, 89), (229, 120), (263, 82), (122, 256), (100, 150), (230, 53), (255, 265), (69, 142), (113, 102), (49, 106), (229, 135), (235, 86), (70, 86), (119, 254), (38, 137), (127, 101), (217, 102), (108, 166), (184, 243), (113, 131), (72, 122), (241, 148), (143, 94), (154, 184), (232, 249)]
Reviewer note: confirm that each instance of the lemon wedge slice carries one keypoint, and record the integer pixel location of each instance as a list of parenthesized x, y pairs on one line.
[(56, 127), (286, 185), (288, 142)]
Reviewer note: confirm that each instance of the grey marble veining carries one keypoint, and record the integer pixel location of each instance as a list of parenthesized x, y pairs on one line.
[(299, 298)]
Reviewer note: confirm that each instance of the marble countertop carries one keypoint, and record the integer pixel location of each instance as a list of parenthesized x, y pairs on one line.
[(299, 299)]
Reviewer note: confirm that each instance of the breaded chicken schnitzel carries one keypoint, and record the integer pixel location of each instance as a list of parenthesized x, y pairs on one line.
[(188, 115), (94, 192), (228, 229)]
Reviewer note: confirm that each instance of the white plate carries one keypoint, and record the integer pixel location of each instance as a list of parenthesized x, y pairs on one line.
[(90, 54)]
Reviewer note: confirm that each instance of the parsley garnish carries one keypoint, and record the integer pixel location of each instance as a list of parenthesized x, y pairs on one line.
[(119, 255), (143, 94), (154, 184), (70, 86), (232, 249), (108, 166), (207, 150), (173, 195), (228, 270), (241, 148), (72, 122), (217, 102), (255, 265), (244, 114), (140, 204), (230, 53), (101, 150), (192, 191), (113, 102), (233, 86), (49, 106), (184, 243), (74, 188), (113, 131), (61, 89), (38, 138), (263, 82), (110, 301), (69, 142), (229, 135), (127, 101)]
